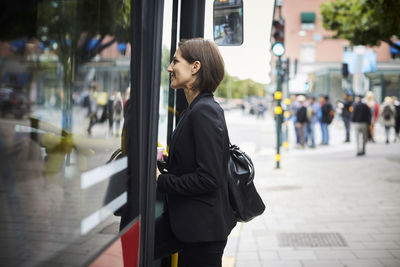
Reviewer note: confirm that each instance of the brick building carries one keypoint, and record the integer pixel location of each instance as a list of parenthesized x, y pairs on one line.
[(316, 59)]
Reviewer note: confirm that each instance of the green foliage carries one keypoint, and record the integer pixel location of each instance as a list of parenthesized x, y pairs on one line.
[(233, 87), (363, 22), (164, 66), (74, 24)]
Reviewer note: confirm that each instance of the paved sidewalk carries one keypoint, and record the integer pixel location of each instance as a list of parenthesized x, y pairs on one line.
[(325, 206)]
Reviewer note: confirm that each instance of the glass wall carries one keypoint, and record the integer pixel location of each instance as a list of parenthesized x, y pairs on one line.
[(385, 84), (329, 83), (64, 83)]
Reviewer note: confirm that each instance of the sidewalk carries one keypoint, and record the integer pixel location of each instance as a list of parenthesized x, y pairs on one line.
[(325, 206)]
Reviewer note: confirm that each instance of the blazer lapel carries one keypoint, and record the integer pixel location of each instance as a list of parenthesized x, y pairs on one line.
[(179, 126), (176, 133)]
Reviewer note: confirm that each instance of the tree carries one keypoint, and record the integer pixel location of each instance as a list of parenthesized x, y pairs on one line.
[(233, 87), (363, 22), (78, 30)]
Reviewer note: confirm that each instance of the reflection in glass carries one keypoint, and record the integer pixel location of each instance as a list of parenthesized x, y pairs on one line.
[(64, 81), (228, 22)]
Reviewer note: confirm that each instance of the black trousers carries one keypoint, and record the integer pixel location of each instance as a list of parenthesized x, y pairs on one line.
[(201, 254)]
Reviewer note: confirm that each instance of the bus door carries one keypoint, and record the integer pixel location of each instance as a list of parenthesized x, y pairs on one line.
[(65, 81)]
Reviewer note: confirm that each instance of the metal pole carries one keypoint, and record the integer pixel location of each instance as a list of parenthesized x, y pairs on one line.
[(286, 114), (278, 110)]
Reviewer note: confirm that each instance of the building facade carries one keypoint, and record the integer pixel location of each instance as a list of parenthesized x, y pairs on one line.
[(316, 58)]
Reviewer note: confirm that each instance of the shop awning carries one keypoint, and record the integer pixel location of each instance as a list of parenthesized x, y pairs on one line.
[(307, 17)]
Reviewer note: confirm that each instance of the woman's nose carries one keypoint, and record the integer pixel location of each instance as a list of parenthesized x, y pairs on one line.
[(169, 69)]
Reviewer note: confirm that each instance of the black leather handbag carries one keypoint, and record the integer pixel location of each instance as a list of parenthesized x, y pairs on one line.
[(243, 196)]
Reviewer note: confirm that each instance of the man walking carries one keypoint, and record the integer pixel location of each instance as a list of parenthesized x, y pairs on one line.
[(302, 120), (327, 116), (361, 118), (312, 114)]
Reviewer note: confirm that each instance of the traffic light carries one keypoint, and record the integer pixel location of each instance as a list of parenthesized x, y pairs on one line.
[(278, 31), (278, 34)]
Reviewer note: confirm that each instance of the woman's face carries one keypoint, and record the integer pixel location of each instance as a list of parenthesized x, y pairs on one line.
[(182, 75)]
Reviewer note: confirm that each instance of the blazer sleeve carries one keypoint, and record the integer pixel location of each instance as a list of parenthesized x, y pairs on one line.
[(208, 134)]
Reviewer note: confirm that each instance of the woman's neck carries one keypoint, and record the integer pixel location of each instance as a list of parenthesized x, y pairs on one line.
[(191, 94)]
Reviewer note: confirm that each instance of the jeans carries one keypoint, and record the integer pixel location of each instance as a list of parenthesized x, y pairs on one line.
[(346, 122), (311, 133), (196, 254), (361, 129), (325, 133), (296, 131)]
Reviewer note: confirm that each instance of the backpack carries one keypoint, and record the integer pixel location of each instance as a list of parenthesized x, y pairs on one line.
[(302, 115), (118, 107), (331, 113), (387, 113)]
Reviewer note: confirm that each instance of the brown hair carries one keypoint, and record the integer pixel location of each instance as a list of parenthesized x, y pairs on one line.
[(211, 72)]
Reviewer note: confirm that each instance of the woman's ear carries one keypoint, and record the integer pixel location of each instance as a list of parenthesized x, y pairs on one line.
[(196, 67)]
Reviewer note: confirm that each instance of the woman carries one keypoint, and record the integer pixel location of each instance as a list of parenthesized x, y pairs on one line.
[(388, 116), (374, 107), (198, 217)]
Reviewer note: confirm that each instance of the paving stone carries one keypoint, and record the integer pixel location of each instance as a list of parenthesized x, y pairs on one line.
[(268, 255), (335, 254), (297, 255), (381, 245), (247, 255), (395, 253), (362, 263), (372, 254), (276, 263), (248, 263), (321, 263), (390, 262), (385, 237)]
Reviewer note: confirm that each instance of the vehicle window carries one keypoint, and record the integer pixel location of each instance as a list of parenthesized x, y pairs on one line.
[(64, 85)]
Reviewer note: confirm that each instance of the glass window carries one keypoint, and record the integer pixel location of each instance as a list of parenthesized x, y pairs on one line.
[(307, 53), (64, 82)]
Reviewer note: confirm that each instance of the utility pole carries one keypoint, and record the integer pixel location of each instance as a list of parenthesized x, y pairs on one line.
[(278, 50), (278, 111), (286, 114)]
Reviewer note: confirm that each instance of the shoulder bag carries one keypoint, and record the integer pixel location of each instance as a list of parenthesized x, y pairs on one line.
[(243, 196)]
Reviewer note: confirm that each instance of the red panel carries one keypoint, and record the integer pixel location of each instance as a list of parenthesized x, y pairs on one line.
[(123, 252)]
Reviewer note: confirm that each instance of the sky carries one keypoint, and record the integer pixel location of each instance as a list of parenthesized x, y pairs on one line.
[(251, 59)]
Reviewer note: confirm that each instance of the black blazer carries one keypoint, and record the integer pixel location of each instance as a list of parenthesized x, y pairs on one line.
[(196, 183)]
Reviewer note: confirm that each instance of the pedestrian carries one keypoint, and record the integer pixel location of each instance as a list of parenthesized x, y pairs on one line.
[(312, 114), (361, 119), (388, 116), (198, 217), (92, 108), (396, 104), (327, 113), (117, 112), (302, 120), (374, 107), (294, 106), (346, 114)]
